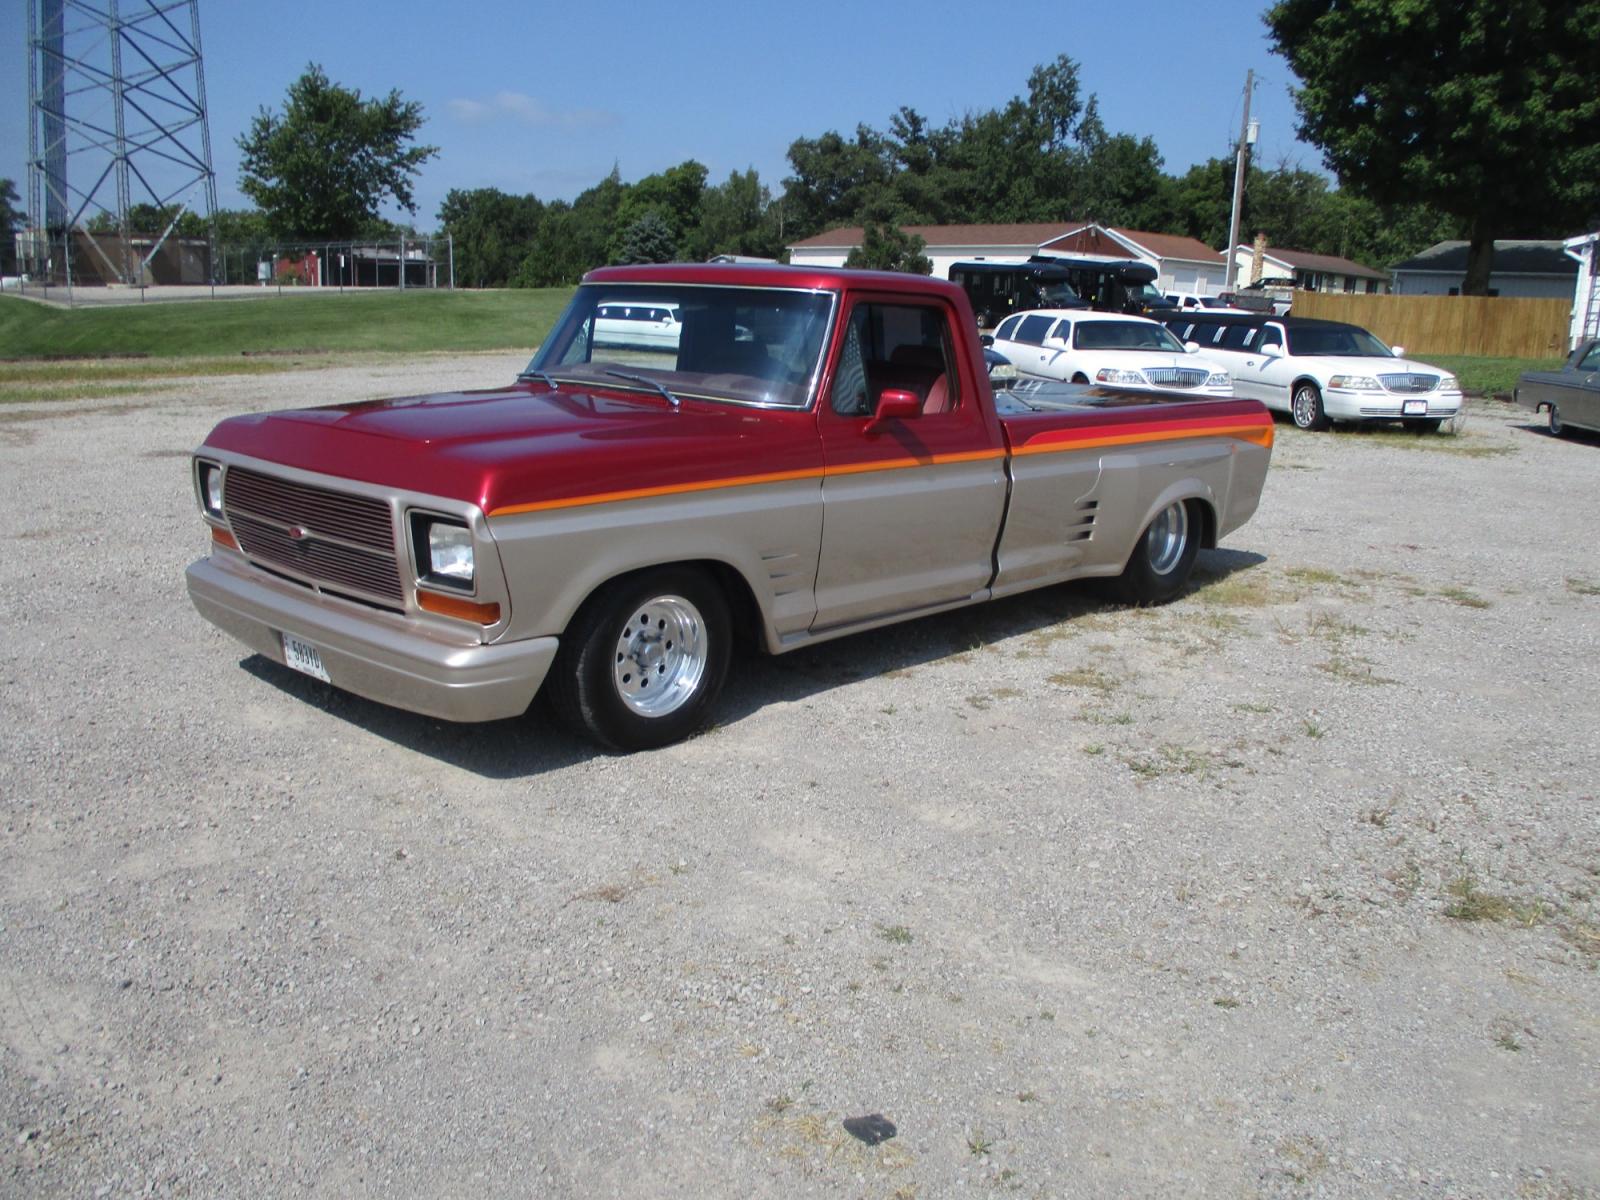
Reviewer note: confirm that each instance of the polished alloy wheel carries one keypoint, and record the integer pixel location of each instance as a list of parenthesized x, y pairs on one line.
[(1305, 407), (661, 656), (1167, 538)]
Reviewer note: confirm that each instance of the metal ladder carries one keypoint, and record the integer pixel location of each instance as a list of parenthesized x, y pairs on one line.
[(1591, 311)]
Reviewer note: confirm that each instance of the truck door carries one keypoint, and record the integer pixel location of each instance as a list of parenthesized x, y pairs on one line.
[(911, 505)]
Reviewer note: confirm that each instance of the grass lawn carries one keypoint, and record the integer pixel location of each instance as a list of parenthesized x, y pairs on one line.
[(1487, 375), (380, 322)]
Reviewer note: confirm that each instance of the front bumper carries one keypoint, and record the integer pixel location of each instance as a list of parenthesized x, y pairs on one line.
[(379, 655), (1350, 404)]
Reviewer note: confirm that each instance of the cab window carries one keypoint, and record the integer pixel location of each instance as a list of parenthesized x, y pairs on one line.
[(905, 347), (1033, 329)]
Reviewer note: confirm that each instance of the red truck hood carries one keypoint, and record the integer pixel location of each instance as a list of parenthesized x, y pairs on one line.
[(525, 444)]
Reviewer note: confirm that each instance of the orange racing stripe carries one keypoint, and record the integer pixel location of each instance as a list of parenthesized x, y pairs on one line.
[(1054, 442)]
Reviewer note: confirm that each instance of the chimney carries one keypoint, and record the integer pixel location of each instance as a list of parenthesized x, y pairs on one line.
[(1258, 255)]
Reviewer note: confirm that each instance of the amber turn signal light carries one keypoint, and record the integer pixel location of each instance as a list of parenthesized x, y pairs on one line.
[(465, 610), (223, 538)]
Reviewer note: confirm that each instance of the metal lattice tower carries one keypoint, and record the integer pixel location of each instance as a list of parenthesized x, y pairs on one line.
[(116, 117)]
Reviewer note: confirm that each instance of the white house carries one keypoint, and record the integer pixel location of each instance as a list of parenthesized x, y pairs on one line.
[(1183, 263), (1313, 272), (1521, 268)]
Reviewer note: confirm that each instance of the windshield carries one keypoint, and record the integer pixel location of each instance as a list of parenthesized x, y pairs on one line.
[(1059, 295), (1348, 340), (1124, 335), (757, 345)]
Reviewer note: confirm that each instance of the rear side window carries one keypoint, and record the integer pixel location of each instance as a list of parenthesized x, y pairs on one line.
[(1240, 337), (1008, 328), (1033, 329)]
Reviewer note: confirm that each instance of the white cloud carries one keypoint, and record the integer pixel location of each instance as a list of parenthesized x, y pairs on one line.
[(526, 110)]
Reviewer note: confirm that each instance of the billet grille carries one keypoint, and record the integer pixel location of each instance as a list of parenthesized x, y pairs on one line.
[(1404, 382), (1176, 377), (348, 542)]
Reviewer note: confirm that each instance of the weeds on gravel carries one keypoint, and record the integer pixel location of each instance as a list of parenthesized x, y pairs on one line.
[(1582, 587), (1461, 596), (897, 935), (1467, 903), (1085, 677), (977, 1144), (1240, 591), (1259, 709), (1169, 760), (1312, 729)]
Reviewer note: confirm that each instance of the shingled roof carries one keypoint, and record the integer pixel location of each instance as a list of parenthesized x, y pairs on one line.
[(1511, 257), (1031, 236)]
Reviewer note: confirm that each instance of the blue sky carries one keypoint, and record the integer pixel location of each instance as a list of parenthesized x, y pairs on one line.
[(543, 98)]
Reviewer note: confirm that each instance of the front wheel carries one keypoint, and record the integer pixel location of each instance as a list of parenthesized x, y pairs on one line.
[(1306, 408), (1558, 427), (644, 660), (1163, 556)]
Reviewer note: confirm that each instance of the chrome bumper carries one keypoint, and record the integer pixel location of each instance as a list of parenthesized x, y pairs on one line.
[(373, 654)]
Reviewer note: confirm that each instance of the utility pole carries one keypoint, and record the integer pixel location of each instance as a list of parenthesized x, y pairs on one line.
[(1247, 136)]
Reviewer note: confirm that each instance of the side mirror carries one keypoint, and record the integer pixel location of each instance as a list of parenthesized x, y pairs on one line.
[(1398, 351), (986, 339), (1272, 347), (1191, 347), (894, 404)]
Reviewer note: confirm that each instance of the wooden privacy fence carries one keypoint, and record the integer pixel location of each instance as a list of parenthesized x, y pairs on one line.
[(1482, 326)]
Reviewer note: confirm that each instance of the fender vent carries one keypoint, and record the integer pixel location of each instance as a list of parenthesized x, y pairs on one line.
[(1080, 526)]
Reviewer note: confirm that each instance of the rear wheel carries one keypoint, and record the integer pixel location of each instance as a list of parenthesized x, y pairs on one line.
[(1558, 427), (1080, 377), (644, 660), (1306, 407), (1163, 556)]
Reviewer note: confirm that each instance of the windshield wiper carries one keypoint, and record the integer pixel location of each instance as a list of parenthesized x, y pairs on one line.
[(554, 386), (649, 383)]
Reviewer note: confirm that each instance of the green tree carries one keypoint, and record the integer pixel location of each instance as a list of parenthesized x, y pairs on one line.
[(887, 247), (736, 218), (648, 240), (11, 217), (325, 164), (491, 232), (573, 238), (1485, 110), (672, 195)]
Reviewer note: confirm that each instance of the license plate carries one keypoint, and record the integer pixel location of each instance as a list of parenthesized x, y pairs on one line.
[(303, 656), (1415, 408)]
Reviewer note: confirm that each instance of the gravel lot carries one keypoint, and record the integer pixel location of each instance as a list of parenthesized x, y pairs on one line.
[(1287, 889)]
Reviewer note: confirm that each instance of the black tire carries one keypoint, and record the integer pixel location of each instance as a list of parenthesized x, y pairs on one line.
[(667, 626), (1558, 427), (1080, 377), (1422, 424), (1305, 407), (1162, 558)]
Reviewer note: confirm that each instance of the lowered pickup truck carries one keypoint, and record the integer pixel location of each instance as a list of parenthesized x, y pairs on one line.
[(810, 453)]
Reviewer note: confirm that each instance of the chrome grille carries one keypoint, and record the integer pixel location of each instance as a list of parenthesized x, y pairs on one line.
[(344, 542), (1409, 383), (1176, 377)]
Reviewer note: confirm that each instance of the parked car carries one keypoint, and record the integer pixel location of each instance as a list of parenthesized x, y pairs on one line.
[(1570, 395), (638, 322), (1106, 348), (822, 454), (1322, 371), (1001, 373), (1194, 302)]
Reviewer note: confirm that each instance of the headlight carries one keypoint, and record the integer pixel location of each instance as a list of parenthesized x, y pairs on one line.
[(1356, 383), (1219, 379), (443, 550), (1449, 383), (1002, 371), (211, 489), (1110, 375)]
